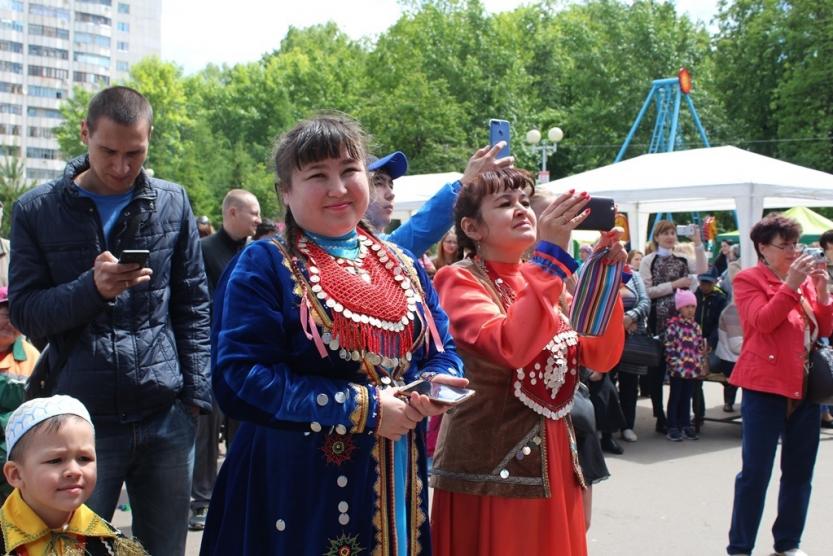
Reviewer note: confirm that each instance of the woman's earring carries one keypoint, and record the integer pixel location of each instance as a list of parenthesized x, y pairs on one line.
[(477, 246)]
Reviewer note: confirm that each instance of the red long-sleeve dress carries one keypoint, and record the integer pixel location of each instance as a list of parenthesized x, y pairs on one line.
[(470, 524)]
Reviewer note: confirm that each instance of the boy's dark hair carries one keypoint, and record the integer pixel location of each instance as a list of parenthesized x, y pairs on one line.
[(826, 239), (53, 424), (123, 105)]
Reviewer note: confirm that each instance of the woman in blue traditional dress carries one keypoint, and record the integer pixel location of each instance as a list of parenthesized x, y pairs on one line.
[(312, 336)]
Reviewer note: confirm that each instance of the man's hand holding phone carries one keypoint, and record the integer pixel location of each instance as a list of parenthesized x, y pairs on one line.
[(112, 278)]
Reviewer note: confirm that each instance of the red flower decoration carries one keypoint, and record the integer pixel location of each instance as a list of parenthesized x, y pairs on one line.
[(338, 448)]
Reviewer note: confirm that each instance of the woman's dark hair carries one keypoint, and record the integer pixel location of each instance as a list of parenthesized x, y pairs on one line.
[(319, 138), (826, 239), (470, 199), (771, 226)]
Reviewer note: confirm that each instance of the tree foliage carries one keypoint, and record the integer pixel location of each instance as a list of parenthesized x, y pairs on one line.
[(13, 184), (429, 84)]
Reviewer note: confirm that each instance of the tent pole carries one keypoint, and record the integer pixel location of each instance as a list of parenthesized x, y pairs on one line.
[(749, 209)]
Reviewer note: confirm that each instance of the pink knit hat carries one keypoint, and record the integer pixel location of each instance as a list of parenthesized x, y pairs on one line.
[(684, 298)]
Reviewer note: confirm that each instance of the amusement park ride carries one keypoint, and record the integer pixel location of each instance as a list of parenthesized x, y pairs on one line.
[(667, 96)]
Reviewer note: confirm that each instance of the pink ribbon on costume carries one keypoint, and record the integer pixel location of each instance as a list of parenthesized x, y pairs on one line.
[(309, 328), (432, 326)]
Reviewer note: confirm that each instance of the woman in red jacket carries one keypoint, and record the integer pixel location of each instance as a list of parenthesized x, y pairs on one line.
[(784, 306)]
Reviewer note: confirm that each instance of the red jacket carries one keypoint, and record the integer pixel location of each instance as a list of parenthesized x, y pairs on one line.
[(772, 357)]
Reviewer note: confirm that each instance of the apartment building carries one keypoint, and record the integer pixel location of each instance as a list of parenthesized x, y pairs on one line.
[(47, 47)]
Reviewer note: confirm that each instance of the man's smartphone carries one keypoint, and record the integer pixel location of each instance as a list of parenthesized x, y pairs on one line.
[(499, 131), (135, 256), (436, 392), (685, 230), (602, 215)]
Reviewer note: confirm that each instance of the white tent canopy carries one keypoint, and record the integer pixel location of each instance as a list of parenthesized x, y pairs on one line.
[(717, 178), (412, 191)]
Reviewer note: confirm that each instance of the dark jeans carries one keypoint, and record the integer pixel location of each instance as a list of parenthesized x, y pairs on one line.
[(656, 377), (155, 459), (207, 451), (679, 402), (608, 410), (765, 420), (730, 392), (698, 401), (628, 393)]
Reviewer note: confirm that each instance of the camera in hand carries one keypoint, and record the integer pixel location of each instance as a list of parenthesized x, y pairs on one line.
[(816, 252), (686, 230)]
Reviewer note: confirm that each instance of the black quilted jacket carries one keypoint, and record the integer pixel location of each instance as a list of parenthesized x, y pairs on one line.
[(133, 356)]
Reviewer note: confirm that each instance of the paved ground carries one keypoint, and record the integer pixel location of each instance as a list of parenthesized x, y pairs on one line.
[(666, 498)]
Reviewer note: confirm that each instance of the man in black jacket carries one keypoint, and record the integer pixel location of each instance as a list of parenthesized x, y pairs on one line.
[(241, 216), (131, 341)]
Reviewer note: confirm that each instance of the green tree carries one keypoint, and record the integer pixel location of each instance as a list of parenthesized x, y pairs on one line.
[(68, 132), (803, 97), (615, 52), (749, 65), (318, 68), (13, 184)]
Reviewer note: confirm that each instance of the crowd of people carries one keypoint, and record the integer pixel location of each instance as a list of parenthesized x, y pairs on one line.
[(292, 343)]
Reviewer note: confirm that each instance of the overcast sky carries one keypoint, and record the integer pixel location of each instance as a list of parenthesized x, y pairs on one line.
[(198, 32)]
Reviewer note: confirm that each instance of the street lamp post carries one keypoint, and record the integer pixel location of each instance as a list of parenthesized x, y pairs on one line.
[(533, 137)]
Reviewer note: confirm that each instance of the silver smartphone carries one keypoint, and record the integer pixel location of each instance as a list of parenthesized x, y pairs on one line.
[(436, 392)]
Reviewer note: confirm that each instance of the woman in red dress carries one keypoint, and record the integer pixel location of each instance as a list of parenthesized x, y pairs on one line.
[(506, 476)]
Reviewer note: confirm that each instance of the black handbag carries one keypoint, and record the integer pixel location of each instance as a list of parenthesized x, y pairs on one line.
[(642, 349), (582, 412), (820, 375)]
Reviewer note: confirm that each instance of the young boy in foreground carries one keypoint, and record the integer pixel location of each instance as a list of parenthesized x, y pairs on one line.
[(51, 465)]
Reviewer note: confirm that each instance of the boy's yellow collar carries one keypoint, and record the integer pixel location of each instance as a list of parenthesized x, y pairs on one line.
[(22, 526)]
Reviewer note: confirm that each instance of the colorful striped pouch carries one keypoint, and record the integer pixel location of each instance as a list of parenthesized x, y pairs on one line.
[(596, 291)]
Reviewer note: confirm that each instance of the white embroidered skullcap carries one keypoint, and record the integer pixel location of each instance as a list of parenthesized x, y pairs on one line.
[(38, 410)]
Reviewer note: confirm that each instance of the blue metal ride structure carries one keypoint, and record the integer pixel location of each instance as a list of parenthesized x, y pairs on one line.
[(667, 95)]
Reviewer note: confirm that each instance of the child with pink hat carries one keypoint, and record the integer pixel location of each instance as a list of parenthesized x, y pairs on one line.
[(684, 352)]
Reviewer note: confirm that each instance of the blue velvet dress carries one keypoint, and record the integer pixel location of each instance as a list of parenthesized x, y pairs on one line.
[(306, 473)]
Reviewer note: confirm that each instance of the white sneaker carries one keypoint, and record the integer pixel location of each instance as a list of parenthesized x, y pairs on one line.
[(629, 435), (792, 552)]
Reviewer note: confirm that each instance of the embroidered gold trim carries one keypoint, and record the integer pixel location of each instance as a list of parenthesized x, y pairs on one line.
[(380, 515), (358, 417), (545, 474), (417, 515)]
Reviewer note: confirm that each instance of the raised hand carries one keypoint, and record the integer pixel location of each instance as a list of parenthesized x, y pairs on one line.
[(560, 218)]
